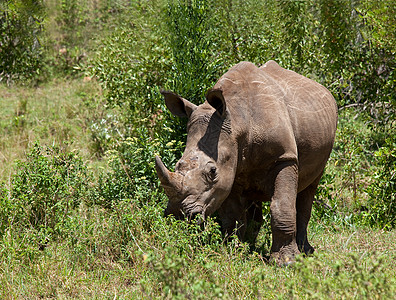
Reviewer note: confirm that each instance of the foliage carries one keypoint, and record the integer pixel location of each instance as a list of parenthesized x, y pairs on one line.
[(21, 24), (132, 172), (72, 30), (45, 39), (128, 74), (358, 185), (382, 190), (45, 190), (296, 31), (380, 18), (193, 65)]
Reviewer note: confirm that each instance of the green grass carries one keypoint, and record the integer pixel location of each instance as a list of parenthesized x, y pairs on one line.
[(56, 113), (351, 264)]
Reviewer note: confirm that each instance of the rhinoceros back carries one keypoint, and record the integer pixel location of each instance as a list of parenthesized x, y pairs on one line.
[(284, 113)]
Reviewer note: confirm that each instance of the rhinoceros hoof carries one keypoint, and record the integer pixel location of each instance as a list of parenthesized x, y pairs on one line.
[(282, 261), (286, 256)]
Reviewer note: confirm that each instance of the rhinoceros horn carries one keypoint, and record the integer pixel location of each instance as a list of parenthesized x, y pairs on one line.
[(170, 181)]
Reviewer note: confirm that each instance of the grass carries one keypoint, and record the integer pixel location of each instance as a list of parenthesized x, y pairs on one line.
[(132, 252), (348, 263), (57, 113)]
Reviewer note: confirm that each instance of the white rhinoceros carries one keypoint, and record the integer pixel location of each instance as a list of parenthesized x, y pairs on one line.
[(263, 134)]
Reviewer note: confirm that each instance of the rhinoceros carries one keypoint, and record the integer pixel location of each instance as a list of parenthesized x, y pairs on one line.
[(263, 134)]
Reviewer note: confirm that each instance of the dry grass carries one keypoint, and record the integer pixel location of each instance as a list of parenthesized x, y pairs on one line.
[(56, 113)]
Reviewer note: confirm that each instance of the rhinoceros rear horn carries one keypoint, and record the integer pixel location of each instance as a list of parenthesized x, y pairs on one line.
[(170, 181)]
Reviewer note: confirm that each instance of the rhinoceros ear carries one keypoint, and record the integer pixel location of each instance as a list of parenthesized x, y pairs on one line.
[(216, 99), (177, 105)]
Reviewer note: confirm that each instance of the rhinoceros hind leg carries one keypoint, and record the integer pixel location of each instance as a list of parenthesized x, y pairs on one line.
[(283, 214), (304, 206)]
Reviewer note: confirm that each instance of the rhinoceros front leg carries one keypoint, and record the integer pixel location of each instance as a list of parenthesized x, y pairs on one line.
[(283, 214)]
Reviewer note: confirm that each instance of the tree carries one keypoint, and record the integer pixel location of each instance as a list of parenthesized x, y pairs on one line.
[(21, 22)]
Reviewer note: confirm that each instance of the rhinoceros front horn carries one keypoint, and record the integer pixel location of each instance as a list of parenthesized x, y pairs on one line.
[(170, 181)]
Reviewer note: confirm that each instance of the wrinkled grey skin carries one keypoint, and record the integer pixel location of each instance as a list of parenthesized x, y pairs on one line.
[(263, 134)]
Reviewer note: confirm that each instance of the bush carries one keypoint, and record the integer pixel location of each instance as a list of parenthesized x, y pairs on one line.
[(131, 62), (194, 67), (132, 173), (381, 210), (45, 190)]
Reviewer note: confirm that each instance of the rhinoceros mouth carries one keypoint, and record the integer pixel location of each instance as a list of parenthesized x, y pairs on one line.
[(188, 209), (192, 209), (186, 214)]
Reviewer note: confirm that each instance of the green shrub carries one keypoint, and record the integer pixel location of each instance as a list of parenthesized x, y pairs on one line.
[(132, 172), (381, 210), (183, 267), (44, 191), (133, 60), (194, 67), (169, 252), (358, 186)]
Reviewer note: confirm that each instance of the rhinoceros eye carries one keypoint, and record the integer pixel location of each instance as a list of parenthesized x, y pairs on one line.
[(213, 170), (210, 174)]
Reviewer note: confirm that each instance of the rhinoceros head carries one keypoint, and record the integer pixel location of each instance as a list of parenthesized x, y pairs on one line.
[(204, 175)]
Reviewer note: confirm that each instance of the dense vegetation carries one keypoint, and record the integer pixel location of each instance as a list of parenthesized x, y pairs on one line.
[(82, 119)]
